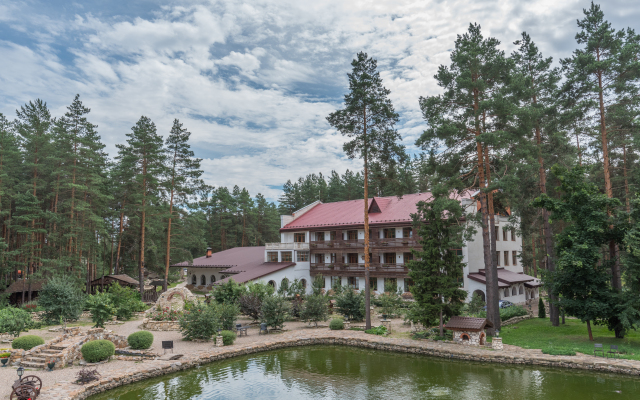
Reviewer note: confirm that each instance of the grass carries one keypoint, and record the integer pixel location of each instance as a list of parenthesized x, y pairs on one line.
[(567, 339)]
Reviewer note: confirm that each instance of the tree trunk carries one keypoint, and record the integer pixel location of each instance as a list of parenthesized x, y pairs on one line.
[(168, 255), (492, 220), (616, 280), (589, 330), (548, 241), (367, 261), (441, 325), (627, 196), (142, 222), (117, 269), (535, 263)]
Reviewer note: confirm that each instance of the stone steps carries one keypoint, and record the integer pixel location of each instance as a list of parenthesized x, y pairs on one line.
[(31, 364), (35, 358)]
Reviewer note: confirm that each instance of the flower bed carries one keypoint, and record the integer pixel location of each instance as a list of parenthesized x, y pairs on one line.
[(165, 314)]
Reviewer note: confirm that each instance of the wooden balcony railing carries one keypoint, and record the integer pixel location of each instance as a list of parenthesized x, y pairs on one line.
[(352, 269), (359, 244)]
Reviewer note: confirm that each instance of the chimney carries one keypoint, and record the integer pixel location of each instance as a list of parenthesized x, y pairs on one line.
[(208, 252)]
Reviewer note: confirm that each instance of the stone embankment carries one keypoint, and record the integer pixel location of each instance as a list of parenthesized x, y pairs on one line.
[(148, 369)]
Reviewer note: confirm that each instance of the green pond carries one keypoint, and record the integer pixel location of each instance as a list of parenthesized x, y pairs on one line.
[(337, 372)]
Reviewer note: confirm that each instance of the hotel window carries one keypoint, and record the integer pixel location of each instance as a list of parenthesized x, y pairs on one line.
[(272, 256), (407, 232), (389, 233), (286, 256), (389, 258), (514, 257), (504, 235), (336, 281), (506, 258), (496, 230), (332, 235), (513, 235), (498, 257), (320, 236), (299, 237), (352, 258), (373, 284), (353, 282), (352, 235), (302, 256), (408, 282), (319, 258), (458, 252), (406, 257)]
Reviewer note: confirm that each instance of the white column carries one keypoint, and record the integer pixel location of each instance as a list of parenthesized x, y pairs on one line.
[(327, 283), (401, 284), (343, 281), (380, 285)]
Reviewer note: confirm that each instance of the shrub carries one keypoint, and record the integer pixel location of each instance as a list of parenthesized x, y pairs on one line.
[(315, 308), (86, 375), (296, 306), (274, 311), (336, 324), (476, 305), (250, 305), (228, 337), (101, 308), (510, 312), (541, 310), (390, 303), (317, 286), (228, 314), (165, 314), (125, 301), (351, 305), (97, 350), (27, 342), (199, 321), (141, 340), (61, 300), (14, 320), (228, 292), (378, 330)]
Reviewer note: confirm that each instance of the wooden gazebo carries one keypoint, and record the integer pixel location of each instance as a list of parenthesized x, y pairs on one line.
[(24, 285), (122, 280)]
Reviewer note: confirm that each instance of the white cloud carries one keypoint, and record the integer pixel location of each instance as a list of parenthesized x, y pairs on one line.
[(254, 81)]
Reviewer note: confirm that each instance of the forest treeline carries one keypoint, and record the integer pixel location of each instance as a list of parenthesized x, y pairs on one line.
[(67, 208)]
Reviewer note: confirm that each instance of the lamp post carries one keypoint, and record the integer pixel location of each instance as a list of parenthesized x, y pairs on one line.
[(20, 372)]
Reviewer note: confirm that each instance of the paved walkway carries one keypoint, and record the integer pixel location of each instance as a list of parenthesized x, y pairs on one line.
[(128, 372)]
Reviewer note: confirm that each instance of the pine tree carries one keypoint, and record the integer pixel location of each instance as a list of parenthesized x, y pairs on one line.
[(605, 71), (437, 269), (537, 84), (144, 152), (183, 179), (368, 119), (459, 120)]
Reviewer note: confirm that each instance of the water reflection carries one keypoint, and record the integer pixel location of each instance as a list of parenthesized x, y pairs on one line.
[(326, 372)]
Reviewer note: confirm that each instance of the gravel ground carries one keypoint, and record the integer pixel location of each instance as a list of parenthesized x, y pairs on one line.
[(8, 374)]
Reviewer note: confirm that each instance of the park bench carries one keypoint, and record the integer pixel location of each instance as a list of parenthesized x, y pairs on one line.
[(613, 351), (242, 330), (598, 348)]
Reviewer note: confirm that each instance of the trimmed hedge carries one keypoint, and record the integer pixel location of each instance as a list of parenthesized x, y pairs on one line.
[(140, 340), (27, 342), (336, 324), (97, 350), (228, 337)]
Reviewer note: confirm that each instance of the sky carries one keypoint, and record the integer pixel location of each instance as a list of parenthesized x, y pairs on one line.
[(254, 81)]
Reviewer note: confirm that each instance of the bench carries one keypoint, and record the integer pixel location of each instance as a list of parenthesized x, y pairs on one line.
[(241, 330)]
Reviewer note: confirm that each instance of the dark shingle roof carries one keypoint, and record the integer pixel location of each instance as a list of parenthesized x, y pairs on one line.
[(467, 324), (17, 286)]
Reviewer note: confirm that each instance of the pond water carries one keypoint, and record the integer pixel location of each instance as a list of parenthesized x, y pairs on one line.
[(338, 372)]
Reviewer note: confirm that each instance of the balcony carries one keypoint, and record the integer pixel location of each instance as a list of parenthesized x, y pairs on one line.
[(300, 246), (352, 269), (359, 243)]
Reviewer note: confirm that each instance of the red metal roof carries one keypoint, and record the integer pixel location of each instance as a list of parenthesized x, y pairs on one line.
[(252, 272), (238, 257), (351, 212)]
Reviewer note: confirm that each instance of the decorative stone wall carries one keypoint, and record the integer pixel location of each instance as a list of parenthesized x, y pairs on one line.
[(515, 320), (474, 337), (174, 299), (150, 325), (68, 334)]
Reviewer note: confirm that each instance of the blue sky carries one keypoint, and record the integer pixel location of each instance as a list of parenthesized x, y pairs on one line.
[(253, 81)]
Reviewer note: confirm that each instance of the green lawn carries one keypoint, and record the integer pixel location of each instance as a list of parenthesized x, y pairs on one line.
[(539, 334)]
